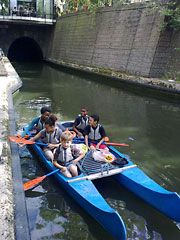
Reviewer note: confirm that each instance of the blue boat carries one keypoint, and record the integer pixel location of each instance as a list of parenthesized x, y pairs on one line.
[(144, 187), (82, 189)]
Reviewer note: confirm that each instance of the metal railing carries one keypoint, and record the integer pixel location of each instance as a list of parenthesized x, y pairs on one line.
[(36, 17)]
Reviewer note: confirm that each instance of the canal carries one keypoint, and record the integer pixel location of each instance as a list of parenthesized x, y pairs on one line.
[(149, 125)]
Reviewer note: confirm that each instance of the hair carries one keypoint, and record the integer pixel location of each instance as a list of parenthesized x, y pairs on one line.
[(84, 107), (50, 121), (95, 117), (45, 109), (53, 116), (66, 136)]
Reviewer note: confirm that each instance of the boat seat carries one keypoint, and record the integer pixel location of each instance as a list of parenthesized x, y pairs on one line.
[(90, 166)]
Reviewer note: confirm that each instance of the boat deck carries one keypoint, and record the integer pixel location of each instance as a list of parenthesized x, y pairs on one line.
[(90, 166)]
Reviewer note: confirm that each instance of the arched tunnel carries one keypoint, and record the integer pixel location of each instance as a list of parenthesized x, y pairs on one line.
[(25, 49)]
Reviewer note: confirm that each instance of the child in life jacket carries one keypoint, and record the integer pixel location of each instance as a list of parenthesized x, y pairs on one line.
[(38, 122), (95, 134), (67, 155), (50, 135), (81, 122)]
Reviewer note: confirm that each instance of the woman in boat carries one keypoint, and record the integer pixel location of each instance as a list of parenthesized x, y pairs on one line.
[(81, 122), (67, 155), (50, 135), (95, 134), (38, 122)]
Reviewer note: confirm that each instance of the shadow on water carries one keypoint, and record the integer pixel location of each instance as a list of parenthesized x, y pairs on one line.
[(135, 89)]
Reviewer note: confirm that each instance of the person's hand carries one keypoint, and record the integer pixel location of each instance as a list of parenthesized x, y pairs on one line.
[(21, 144), (80, 134), (92, 148), (64, 169), (50, 146), (97, 146)]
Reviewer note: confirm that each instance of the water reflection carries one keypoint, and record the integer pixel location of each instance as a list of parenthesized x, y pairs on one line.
[(149, 125)]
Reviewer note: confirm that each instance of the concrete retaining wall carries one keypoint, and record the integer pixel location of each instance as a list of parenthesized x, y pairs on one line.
[(13, 215), (121, 39)]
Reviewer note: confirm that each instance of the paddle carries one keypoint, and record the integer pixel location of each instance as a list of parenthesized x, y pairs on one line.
[(106, 139), (106, 143), (34, 182), (25, 136), (22, 140)]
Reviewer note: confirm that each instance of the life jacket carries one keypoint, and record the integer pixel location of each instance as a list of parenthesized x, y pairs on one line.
[(51, 138), (65, 156), (94, 134), (40, 125), (83, 123)]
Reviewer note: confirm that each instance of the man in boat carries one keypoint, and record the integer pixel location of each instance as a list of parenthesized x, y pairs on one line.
[(95, 134), (37, 123), (67, 156), (81, 122)]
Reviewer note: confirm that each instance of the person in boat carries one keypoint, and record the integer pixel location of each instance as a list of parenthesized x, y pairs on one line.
[(37, 123), (81, 122), (51, 135), (95, 134), (67, 156)]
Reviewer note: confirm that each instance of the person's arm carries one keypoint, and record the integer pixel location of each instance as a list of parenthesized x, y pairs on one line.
[(86, 133), (76, 122), (32, 139), (57, 165), (31, 125), (53, 145), (76, 151), (78, 133), (103, 135), (36, 137), (99, 143), (86, 141), (78, 158)]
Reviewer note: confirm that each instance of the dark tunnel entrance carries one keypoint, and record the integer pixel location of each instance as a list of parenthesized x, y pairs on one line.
[(25, 49)]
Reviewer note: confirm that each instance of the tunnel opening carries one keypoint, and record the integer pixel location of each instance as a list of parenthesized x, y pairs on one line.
[(25, 49)]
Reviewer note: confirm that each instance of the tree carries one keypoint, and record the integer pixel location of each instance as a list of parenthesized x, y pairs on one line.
[(4, 4)]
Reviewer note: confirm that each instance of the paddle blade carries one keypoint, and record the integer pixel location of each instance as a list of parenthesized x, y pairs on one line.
[(33, 182), (117, 144), (25, 136), (20, 140)]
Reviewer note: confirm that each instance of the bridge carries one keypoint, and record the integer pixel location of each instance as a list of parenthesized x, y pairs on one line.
[(25, 30), (25, 37)]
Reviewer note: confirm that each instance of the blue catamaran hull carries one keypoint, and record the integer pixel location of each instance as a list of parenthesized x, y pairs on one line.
[(88, 197), (144, 187)]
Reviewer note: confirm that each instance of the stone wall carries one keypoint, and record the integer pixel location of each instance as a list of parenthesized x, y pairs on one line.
[(122, 39)]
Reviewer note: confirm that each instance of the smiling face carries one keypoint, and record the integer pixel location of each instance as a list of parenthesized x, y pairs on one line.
[(45, 116), (84, 112), (92, 122)]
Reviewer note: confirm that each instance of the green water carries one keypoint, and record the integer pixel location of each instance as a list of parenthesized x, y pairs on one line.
[(151, 126)]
